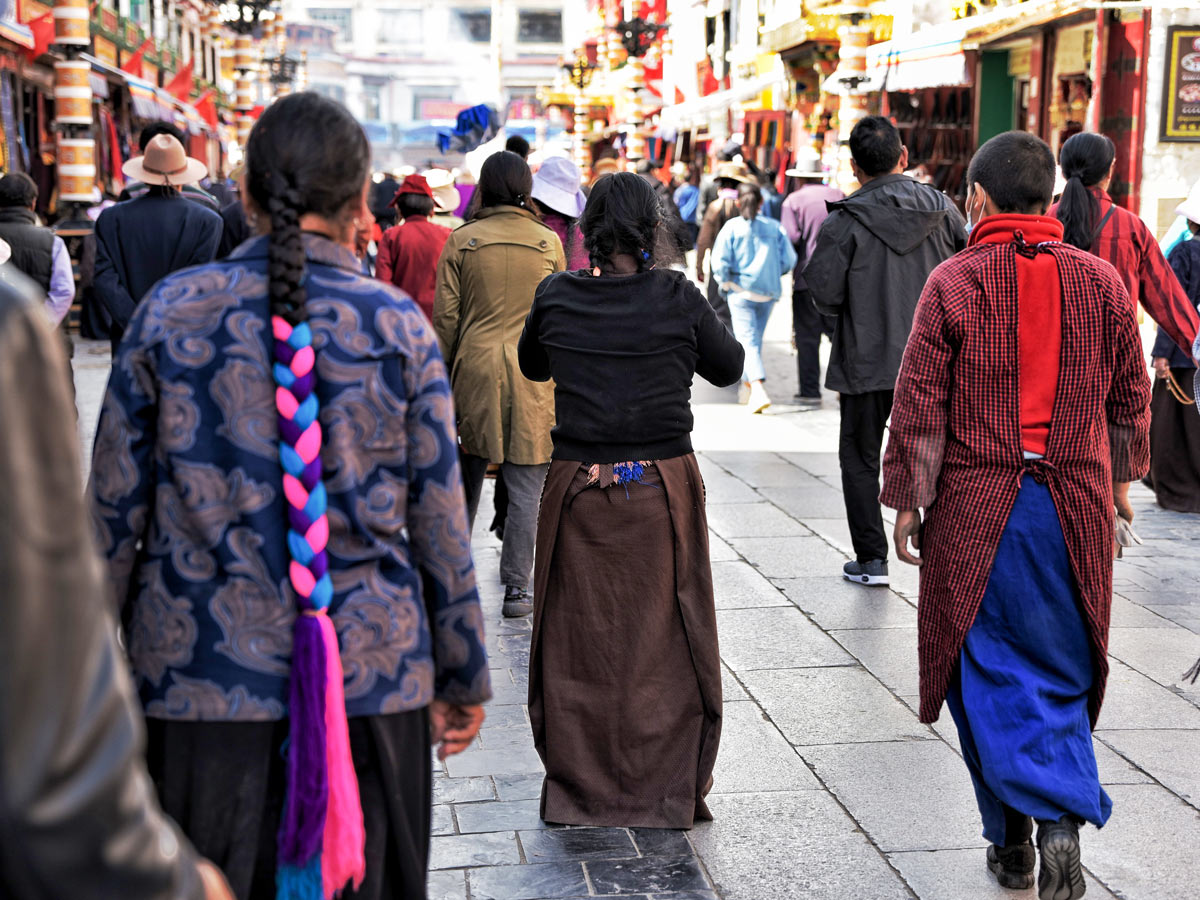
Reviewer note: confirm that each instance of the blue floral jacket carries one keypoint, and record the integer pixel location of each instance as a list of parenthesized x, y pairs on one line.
[(189, 508)]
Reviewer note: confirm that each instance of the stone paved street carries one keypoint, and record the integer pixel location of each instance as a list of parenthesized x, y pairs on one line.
[(827, 786)]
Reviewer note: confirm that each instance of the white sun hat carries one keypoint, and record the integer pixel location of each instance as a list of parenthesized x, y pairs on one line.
[(556, 185), (1190, 208)]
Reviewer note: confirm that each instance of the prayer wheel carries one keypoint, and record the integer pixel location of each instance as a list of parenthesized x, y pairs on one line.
[(72, 26), (76, 169), (73, 92)]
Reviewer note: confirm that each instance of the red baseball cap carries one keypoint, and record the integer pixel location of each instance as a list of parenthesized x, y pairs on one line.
[(413, 184)]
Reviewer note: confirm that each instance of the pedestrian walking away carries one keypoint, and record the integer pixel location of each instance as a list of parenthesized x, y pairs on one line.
[(559, 201), (34, 249), (278, 496), (78, 817), (487, 275), (1025, 349), (1175, 426), (141, 241), (873, 254), (729, 177), (624, 669), (1091, 221), (804, 210), (749, 259), (409, 252), (138, 187)]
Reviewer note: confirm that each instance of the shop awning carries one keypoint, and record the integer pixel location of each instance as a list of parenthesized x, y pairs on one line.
[(146, 104), (696, 112), (998, 24), (932, 57), (16, 33)]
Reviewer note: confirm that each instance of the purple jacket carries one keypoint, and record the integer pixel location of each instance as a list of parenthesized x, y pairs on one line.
[(803, 212)]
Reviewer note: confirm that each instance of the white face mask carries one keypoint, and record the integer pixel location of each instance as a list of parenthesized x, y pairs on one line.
[(971, 220)]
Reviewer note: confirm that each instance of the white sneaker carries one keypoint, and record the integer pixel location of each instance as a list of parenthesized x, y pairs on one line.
[(758, 398), (743, 392)]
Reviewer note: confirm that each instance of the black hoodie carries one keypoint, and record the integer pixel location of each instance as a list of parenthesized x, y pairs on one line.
[(873, 255)]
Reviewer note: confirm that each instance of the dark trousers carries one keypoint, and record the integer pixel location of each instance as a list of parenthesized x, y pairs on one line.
[(864, 416), (807, 327), (523, 486), (224, 783)]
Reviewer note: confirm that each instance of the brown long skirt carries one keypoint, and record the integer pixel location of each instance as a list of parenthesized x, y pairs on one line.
[(625, 682), (1175, 446)]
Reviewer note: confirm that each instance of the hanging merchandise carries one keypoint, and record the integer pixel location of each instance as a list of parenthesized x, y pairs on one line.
[(11, 157)]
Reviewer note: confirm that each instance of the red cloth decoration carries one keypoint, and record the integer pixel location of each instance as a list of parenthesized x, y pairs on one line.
[(43, 35), (133, 65), (206, 106), (180, 87)]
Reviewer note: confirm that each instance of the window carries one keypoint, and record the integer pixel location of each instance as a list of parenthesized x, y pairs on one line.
[(473, 25), (339, 19), (538, 26), (372, 101), (399, 26)]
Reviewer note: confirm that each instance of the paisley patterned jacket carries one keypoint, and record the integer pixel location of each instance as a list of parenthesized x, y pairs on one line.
[(189, 508)]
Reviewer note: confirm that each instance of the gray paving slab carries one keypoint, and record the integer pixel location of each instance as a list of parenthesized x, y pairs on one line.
[(738, 585), (462, 790), (801, 557), (759, 470), (821, 465), (499, 762), (731, 689), (732, 520), (461, 850), (718, 550), (657, 874), (755, 756), (790, 846), (1134, 701), (963, 875), (548, 881), (1127, 614), (815, 501), (583, 844), (1170, 757), (442, 820), (1148, 848), (518, 787), (914, 795), (1116, 769), (836, 604), (498, 815), (775, 638), (450, 884), (890, 654), (1162, 654), (835, 705), (835, 530), (721, 487)]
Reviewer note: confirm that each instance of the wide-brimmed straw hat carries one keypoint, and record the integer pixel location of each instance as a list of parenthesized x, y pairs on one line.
[(735, 172), (556, 184), (1190, 208), (446, 197), (165, 162)]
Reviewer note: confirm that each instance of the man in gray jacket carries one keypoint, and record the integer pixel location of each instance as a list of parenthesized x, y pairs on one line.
[(78, 814), (872, 257)]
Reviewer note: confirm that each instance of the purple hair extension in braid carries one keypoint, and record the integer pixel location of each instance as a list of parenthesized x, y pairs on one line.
[(321, 838)]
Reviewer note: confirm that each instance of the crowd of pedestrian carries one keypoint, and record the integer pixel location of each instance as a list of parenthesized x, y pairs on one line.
[(315, 374)]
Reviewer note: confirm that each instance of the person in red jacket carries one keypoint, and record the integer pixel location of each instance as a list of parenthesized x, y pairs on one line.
[(1021, 414), (409, 251)]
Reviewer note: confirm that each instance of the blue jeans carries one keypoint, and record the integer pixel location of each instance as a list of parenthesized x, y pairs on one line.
[(749, 323)]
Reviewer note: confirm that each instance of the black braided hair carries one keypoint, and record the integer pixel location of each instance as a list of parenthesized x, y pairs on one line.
[(306, 154), (504, 180), (624, 215), (1085, 159)]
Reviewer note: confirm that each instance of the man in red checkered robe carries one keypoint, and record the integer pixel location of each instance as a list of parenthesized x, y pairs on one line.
[(1022, 411)]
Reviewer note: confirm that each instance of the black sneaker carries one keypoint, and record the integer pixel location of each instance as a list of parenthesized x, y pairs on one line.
[(874, 571), (517, 602), (1012, 866), (1061, 874)]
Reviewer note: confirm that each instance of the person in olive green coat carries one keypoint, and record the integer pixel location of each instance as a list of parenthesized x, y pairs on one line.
[(487, 275)]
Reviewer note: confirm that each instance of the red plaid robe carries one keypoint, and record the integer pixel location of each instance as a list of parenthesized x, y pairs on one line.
[(955, 441)]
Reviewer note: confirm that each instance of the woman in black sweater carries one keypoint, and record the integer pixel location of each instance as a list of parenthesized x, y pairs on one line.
[(625, 682)]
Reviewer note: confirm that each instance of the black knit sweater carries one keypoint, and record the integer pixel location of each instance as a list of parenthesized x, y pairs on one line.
[(622, 351)]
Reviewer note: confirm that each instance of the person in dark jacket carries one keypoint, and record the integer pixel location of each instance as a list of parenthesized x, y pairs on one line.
[(35, 250), (872, 257), (1175, 427), (141, 241), (78, 817)]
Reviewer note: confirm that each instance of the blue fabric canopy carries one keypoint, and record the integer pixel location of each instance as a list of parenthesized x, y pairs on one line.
[(474, 126)]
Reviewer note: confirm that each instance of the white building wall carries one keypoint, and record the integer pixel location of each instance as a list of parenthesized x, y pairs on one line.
[(1169, 169)]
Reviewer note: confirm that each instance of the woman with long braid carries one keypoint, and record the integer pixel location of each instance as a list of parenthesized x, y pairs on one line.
[(277, 491)]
